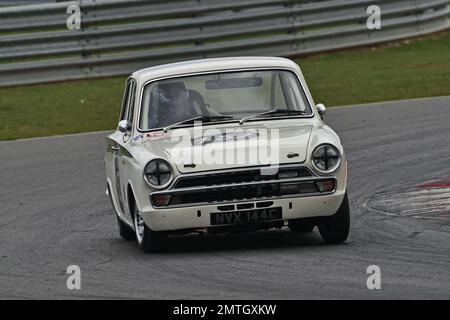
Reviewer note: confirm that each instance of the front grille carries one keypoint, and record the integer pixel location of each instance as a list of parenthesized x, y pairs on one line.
[(241, 185), (239, 176), (243, 193)]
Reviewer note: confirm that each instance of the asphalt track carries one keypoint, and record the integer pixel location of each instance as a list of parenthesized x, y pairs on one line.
[(54, 213)]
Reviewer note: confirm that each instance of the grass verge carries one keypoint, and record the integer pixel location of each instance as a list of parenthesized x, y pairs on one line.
[(403, 70)]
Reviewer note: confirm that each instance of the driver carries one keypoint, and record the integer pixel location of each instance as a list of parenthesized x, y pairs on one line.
[(171, 102)]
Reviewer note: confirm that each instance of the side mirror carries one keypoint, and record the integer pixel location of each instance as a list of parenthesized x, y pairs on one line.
[(321, 110), (124, 126)]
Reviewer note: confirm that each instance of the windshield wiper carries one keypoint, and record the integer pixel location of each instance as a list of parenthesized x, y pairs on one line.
[(284, 112), (199, 118)]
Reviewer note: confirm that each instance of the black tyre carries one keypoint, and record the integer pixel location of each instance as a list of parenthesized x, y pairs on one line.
[(300, 226), (125, 231), (335, 229), (149, 240)]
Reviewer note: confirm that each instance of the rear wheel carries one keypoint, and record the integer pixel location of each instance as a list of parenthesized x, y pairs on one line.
[(148, 240), (335, 229)]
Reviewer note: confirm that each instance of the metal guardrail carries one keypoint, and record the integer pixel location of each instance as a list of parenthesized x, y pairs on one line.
[(118, 36), (23, 2)]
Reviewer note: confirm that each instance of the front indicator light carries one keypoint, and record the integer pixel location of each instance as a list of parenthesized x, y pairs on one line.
[(298, 188), (325, 186), (161, 200)]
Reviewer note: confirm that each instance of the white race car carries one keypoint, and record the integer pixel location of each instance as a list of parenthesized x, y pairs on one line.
[(224, 145)]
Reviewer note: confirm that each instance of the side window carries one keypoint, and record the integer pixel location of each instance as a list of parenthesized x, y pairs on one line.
[(126, 96), (131, 101), (129, 97)]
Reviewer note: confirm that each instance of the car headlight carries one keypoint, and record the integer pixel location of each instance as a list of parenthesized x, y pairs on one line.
[(326, 158), (158, 173)]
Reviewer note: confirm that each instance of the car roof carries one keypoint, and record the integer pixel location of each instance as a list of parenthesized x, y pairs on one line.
[(216, 64)]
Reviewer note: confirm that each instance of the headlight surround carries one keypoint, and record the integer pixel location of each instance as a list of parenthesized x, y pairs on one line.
[(326, 158), (158, 173)]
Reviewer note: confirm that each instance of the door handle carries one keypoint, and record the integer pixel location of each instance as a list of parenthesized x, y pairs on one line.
[(115, 148)]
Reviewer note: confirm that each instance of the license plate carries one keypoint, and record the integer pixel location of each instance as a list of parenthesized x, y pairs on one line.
[(246, 216)]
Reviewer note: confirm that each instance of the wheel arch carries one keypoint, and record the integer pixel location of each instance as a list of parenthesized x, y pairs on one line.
[(132, 200), (110, 195)]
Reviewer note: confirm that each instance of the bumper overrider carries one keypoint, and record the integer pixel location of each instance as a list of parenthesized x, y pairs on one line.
[(244, 197)]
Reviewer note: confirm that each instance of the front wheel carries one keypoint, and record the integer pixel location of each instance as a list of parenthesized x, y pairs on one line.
[(335, 229), (149, 240)]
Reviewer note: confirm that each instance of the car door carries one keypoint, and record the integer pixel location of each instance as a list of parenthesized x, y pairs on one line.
[(124, 159), (115, 145)]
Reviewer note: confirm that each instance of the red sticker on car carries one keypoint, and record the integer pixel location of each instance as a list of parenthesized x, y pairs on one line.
[(156, 134)]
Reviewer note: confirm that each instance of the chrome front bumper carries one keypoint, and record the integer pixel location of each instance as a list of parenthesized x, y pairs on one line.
[(199, 217)]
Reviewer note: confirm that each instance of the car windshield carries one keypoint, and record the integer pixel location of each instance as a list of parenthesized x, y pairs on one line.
[(225, 96)]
